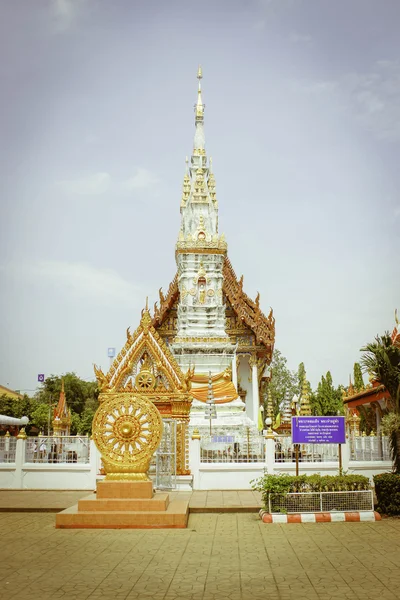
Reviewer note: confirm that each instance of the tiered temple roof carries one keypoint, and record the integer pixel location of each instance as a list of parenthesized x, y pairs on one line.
[(247, 310)]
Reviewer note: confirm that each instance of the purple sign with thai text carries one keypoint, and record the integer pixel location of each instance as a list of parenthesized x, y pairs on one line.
[(318, 430)]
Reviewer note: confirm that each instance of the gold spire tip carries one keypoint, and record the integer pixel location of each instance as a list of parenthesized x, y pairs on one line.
[(199, 73)]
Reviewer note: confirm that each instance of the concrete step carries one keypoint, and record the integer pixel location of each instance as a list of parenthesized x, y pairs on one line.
[(159, 502), (176, 516)]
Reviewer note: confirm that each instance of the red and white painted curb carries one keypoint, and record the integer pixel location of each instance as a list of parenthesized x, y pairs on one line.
[(322, 517)]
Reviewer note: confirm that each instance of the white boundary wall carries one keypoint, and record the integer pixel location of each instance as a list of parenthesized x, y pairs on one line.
[(43, 476), (205, 476), (231, 476)]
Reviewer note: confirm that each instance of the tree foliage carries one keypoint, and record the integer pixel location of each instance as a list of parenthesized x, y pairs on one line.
[(79, 393), (327, 400), (283, 380), (301, 375), (358, 377), (81, 396), (381, 358)]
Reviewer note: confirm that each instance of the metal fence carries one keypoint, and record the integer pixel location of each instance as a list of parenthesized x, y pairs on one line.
[(8, 447), (311, 502), (285, 451), (232, 449), (373, 448), (64, 449), (166, 457)]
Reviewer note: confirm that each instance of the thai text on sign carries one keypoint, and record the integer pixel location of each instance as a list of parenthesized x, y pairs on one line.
[(318, 430)]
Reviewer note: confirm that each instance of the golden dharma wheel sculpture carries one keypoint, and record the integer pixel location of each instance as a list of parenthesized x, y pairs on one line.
[(127, 429)]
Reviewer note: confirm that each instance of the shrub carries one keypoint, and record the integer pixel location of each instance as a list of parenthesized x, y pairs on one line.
[(278, 485), (387, 489)]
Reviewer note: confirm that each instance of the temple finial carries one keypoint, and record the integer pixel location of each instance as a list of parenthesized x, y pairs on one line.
[(147, 303), (199, 108), (199, 141)]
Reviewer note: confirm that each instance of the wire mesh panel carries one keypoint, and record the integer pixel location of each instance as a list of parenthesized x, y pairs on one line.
[(166, 457), (310, 502), (8, 446), (295, 503), (347, 501), (232, 448), (63, 449)]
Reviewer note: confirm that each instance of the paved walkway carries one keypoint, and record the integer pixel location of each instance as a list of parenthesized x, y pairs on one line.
[(199, 501), (219, 557)]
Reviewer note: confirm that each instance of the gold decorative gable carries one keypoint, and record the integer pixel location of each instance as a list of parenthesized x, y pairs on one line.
[(147, 367)]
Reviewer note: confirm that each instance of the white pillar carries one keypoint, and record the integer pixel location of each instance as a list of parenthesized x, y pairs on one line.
[(93, 459), (194, 458), (256, 395), (378, 420), (346, 456), (234, 372), (270, 453), (19, 461)]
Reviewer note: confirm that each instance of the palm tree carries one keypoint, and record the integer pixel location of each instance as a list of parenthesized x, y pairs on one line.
[(382, 359)]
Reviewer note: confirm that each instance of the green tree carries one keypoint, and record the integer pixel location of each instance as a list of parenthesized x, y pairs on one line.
[(301, 375), (283, 380), (75, 423), (381, 358), (15, 407), (78, 393), (86, 420), (358, 377), (40, 416), (327, 400)]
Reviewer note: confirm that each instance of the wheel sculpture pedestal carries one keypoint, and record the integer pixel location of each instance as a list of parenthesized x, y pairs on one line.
[(127, 429)]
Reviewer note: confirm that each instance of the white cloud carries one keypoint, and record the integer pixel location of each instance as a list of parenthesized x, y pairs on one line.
[(375, 98), (91, 185), (372, 98), (100, 183), (259, 25), (143, 178), (298, 38), (80, 280), (65, 12), (313, 86)]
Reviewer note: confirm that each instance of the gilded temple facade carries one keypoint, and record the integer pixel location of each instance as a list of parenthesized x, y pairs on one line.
[(206, 339), (212, 327)]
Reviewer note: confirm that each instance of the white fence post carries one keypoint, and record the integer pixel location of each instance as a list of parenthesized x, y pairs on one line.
[(19, 461), (270, 453), (345, 456), (93, 463), (194, 458)]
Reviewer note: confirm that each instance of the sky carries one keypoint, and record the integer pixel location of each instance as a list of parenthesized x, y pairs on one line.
[(302, 121)]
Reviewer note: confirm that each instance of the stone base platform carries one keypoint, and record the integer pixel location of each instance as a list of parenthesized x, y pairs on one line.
[(125, 505)]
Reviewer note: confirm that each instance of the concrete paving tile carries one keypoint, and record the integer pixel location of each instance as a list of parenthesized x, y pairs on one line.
[(222, 557)]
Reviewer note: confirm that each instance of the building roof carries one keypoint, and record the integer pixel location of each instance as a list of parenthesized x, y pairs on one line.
[(11, 393), (246, 309)]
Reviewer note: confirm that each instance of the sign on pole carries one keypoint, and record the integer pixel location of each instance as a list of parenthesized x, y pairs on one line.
[(40, 377), (318, 430), (111, 352)]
